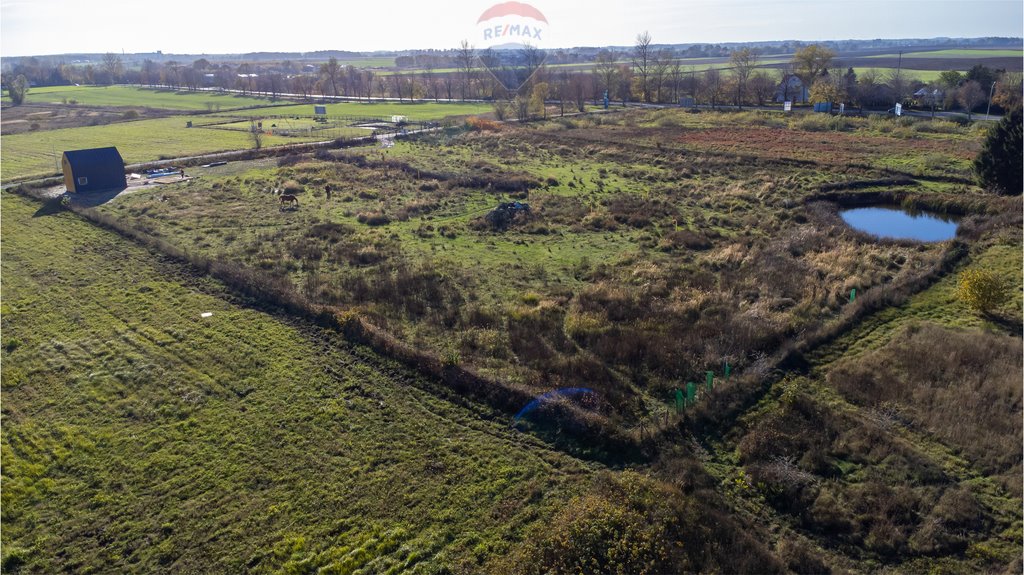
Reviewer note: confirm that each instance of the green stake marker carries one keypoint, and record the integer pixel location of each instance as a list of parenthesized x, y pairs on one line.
[(727, 370), (679, 401), (853, 294), (710, 377)]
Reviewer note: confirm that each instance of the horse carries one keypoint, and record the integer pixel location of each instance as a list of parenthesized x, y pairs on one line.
[(289, 199)]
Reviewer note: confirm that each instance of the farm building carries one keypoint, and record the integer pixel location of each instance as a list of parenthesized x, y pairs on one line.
[(93, 170)]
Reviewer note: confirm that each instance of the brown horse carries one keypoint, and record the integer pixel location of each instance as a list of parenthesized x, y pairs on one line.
[(289, 199)]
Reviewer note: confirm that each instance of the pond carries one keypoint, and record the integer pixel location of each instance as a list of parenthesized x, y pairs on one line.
[(897, 223)]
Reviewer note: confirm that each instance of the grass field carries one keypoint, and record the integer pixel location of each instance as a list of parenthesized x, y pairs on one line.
[(299, 130), (32, 154), (139, 436), (417, 111), (973, 474), (908, 73), (128, 96), (660, 199), (965, 53), (658, 246)]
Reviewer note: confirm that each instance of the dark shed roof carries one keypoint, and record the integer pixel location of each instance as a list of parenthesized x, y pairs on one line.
[(103, 168)]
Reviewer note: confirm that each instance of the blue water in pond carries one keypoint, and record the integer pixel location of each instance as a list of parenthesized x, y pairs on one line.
[(895, 223)]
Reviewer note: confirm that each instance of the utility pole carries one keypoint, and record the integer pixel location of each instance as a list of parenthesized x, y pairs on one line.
[(899, 77), (990, 92)]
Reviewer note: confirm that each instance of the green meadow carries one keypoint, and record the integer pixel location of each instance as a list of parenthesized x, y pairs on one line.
[(425, 111), (140, 436), (130, 96), (38, 153)]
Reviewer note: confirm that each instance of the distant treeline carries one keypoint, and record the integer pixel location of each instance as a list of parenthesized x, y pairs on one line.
[(647, 72)]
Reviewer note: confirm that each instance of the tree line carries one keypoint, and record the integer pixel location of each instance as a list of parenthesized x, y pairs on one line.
[(643, 74)]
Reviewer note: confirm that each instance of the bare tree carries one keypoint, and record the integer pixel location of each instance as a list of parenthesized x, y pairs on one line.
[(562, 88), (429, 80), (579, 88), (397, 83), (275, 83), (255, 134), (660, 66), (351, 76), (331, 70), (606, 70), (675, 81), (970, 95), (113, 66), (150, 72), (762, 87), (743, 61), (625, 85), (169, 75), (521, 105), (899, 84), (712, 86), (301, 84), (449, 83), (464, 58), (642, 60)]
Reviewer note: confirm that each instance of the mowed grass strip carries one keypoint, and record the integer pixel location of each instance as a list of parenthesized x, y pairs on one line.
[(142, 437), (413, 111), (131, 96), (38, 153)]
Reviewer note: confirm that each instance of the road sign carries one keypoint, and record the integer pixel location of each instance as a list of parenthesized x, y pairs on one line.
[(320, 110), (899, 109), (787, 106)]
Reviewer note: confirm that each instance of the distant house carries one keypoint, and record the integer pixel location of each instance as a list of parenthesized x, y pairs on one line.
[(93, 170), (927, 97), (792, 89)]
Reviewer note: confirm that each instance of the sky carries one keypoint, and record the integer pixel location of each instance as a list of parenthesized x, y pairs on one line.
[(36, 27)]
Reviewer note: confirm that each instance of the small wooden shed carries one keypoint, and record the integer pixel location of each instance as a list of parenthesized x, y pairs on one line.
[(93, 170)]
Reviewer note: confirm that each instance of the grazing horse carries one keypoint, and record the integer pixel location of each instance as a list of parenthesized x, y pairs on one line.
[(289, 199)]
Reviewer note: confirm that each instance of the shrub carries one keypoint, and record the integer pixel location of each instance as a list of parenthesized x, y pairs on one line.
[(373, 218), (482, 125), (12, 344), (999, 164), (292, 187), (289, 160), (130, 115), (981, 290), (937, 127)]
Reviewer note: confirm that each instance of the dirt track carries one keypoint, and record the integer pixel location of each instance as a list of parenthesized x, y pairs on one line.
[(33, 117)]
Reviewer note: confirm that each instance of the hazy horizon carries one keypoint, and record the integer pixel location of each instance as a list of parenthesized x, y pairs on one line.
[(52, 27)]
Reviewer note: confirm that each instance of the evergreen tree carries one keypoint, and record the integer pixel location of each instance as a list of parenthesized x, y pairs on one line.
[(999, 165)]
